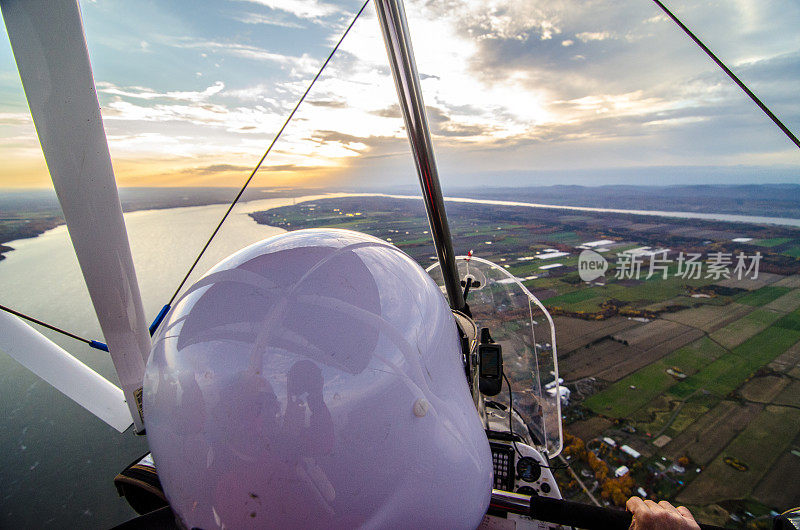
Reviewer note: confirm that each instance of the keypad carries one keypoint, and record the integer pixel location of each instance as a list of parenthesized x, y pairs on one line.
[(503, 464)]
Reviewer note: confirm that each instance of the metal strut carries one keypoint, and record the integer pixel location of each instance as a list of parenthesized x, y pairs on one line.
[(394, 26)]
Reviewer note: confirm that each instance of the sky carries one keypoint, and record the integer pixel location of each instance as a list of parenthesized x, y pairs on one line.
[(518, 92)]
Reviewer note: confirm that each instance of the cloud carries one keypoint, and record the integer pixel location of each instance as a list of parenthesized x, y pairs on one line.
[(588, 36), (304, 9), (332, 103), (289, 167), (508, 85), (302, 64), (219, 168), (139, 92), (15, 118), (266, 20)]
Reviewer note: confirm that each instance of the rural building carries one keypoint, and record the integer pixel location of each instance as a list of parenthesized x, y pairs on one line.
[(630, 451)]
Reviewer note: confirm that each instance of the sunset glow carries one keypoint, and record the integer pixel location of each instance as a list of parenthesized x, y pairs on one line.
[(193, 93)]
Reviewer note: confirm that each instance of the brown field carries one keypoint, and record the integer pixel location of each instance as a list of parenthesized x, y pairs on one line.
[(706, 437), (589, 362), (779, 488), (656, 351), (663, 304), (709, 317), (647, 227), (764, 389), (759, 446), (789, 396), (789, 281), (588, 429), (611, 360), (718, 235), (651, 333), (574, 333), (786, 303), (764, 278)]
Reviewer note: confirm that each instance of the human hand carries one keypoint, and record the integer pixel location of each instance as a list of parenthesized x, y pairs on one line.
[(648, 515)]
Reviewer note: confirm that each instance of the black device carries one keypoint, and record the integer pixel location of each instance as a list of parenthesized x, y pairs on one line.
[(503, 464), (490, 360), (529, 469)]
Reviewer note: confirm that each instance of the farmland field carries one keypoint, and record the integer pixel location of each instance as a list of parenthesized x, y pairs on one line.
[(678, 369), (706, 437), (762, 442), (773, 242), (788, 302), (763, 296), (710, 317), (776, 489), (737, 332)]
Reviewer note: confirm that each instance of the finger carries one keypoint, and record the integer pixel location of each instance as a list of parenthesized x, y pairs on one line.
[(669, 508), (652, 506), (684, 511), (634, 504)]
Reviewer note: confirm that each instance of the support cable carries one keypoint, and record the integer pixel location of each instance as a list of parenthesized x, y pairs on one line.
[(252, 174), (733, 76), (93, 343)]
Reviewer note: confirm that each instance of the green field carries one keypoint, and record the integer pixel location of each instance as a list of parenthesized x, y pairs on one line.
[(642, 294), (763, 296), (652, 380), (729, 371), (793, 252), (740, 330), (573, 297), (773, 242), (706, 363)]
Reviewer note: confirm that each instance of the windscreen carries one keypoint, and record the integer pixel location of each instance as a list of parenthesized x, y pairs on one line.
[(518, 322)]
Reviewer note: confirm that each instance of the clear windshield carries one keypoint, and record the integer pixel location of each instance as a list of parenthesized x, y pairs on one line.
[(518, 321)]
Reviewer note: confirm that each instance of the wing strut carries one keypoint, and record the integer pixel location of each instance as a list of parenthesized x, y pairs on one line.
[(67, 374), (392, 17), (50, 49)]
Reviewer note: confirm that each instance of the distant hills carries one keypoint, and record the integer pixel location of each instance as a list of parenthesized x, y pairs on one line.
[(28, 213), (768, 200)]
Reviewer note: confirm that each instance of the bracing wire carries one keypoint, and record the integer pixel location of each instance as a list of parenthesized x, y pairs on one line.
[(733, 76), (266, 153), (93, 343)]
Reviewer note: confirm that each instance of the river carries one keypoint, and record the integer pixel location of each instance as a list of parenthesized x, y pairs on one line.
[(58, 462)]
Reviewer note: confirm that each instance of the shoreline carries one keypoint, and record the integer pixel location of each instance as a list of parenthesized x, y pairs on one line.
[(7, 246), (718, 217)]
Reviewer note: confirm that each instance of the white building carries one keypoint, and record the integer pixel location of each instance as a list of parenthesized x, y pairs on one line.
[(551, 255), (621, 471), (552, 384), (600, 243), (563, 393), (630, 451)]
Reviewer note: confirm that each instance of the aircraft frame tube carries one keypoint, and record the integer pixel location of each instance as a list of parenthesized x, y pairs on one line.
[(64, 372), (49, 46), (394, 26)]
